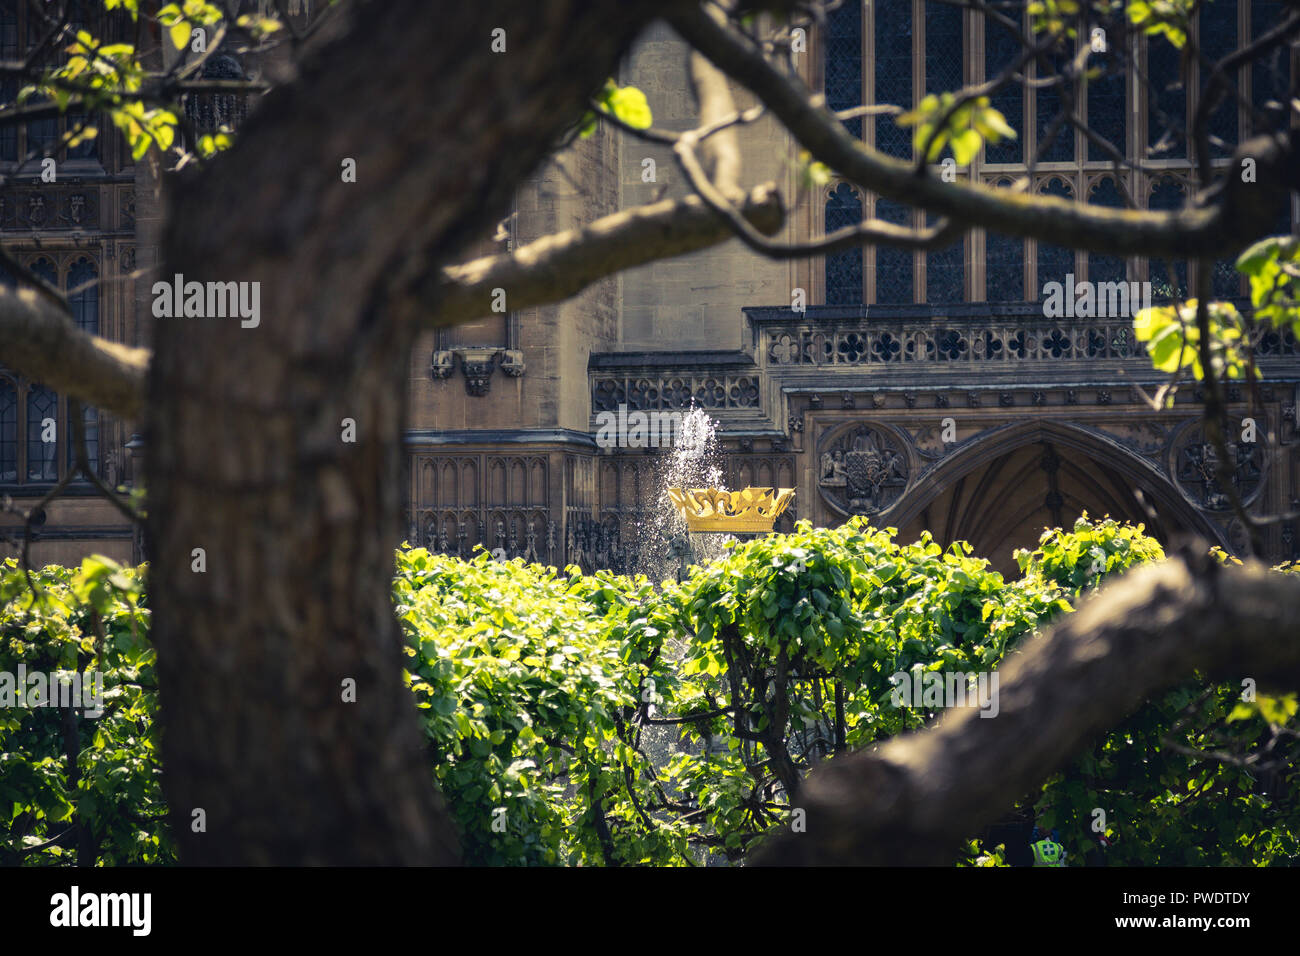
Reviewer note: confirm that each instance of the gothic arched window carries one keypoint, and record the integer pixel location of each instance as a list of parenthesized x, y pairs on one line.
[(8, 431), (1167, 195), (211, 111), (843, 66), (1167, 106), (943, 46), (1059, 148), (44, 268), (1218, 39), (1106, 99), (945, 272), (1055, 262), (894, 267), (90, 429), (42, 421), (9, 31), (8, 87), (1102, 268), (1269, 73), (1004, 271), (893, 79), (1001, 49), (84, 303), (8, 131), (843, 269)]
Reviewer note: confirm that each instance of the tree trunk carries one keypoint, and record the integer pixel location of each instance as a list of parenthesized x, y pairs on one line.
[(246, 458)]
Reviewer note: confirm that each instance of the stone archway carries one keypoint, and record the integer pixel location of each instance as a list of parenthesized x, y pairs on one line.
[(1003, 489)]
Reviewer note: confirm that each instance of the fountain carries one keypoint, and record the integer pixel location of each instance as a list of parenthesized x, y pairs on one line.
[(726, 514), (692, 520), (657, 537)]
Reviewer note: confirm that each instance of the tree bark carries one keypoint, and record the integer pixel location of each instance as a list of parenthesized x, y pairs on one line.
[(245, 453)]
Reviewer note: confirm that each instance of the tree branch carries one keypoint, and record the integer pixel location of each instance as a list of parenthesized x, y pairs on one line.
[(39, 339), (559, 266), (1240, 216)]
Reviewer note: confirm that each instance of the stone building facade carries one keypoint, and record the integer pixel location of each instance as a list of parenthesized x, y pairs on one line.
[(90, 226), (925, 390), (850, 400)]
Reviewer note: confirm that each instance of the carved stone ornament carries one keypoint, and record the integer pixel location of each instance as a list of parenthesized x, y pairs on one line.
[(1196, 468), (444, 363), (862, 472), (512, 362), (477, 365)]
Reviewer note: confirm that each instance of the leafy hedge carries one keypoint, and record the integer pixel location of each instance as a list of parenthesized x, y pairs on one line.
[(92, 618), (586, 720)]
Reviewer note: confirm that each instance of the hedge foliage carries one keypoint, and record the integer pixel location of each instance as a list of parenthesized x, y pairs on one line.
[(592, 719)]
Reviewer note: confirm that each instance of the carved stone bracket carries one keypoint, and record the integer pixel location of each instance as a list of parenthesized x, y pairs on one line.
[(444, 363), (512, 362), (477, 365)]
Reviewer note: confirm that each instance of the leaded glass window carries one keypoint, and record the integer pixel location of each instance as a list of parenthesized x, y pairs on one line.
[(1055, 262), (1001, 49), (211, 111), (1225, 280), (1004, 271), (90, 427), (843, 269), (88, 148), (8, 87), (42, 134), (42, 461), (1167, 109), (8, 431), (45, 269), (893, 48), (9, 131), (84, 303), (1106, 93), (1102, 268), (1269, 73), (843, 67), (9, 31), (1060, 147), (943, 47), (1218, 37), (894, 267), (1167, 195), (944, 272)]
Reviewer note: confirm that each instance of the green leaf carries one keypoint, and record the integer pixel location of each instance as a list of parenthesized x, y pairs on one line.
[(629, 104), (966, 146)]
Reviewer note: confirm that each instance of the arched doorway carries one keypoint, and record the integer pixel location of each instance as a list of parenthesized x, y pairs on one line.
[(1002, 491)]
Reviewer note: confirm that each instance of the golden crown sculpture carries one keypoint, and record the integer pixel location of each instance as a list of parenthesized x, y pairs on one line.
[(750, 510)]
